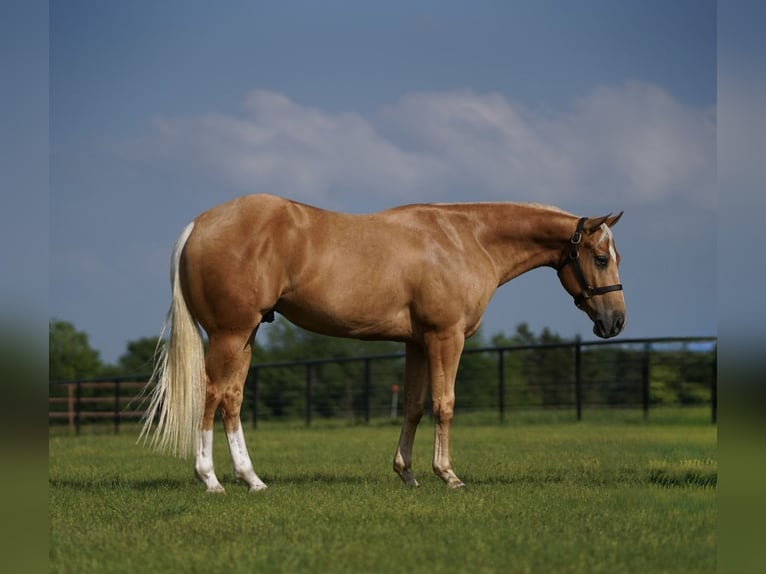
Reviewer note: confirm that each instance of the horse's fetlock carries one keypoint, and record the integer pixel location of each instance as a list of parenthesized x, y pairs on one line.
[(244, 473), (203, 468)]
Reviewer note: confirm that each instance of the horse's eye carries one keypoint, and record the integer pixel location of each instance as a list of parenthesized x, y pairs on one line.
[(602, 260)]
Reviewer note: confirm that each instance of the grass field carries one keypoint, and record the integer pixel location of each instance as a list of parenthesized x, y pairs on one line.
[(611, 494)]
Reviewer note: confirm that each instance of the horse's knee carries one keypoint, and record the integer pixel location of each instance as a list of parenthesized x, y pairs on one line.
[(443, 411)]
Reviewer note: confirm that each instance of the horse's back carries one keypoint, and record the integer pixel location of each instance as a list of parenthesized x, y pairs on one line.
[(366, 276)]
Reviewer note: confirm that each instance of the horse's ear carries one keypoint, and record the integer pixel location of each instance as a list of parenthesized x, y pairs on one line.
[(593, 223), (614, 219)]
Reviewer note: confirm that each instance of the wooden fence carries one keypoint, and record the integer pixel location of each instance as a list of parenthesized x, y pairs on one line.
[(80, 402)]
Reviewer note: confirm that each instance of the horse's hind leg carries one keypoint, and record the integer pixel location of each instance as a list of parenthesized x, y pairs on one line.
[(203, 463), (231, 405), (227, 362)]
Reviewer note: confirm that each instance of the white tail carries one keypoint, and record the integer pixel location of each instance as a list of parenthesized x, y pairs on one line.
[(177, 400)]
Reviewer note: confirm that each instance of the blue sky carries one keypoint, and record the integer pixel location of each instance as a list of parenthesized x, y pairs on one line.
[(160, 110)]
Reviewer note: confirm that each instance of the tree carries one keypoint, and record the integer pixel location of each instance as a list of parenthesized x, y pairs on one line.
[(70, 355), (522, 336), (139, 358)]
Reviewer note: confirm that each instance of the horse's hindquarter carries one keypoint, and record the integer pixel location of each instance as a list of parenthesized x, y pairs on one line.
[(230, 264)]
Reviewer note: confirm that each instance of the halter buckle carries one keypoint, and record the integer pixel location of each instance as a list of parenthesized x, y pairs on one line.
[(574, 241)]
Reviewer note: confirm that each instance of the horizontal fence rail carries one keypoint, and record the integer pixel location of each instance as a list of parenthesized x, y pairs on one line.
[(630, 373), (79, 402)]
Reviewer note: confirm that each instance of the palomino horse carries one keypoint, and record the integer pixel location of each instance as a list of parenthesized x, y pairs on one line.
[(419, 274)]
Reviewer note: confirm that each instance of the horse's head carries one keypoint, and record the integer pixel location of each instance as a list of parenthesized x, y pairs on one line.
[(588, 271)]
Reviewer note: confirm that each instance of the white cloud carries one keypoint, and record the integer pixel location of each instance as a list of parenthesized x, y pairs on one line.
[(649, 144), (635, 142)]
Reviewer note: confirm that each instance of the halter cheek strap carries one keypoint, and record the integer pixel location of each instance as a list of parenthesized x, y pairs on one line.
[(573, 259)]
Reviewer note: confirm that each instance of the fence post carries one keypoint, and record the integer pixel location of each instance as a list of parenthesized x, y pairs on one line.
[(78, 407), (578, 377), (308, 394), (116, 406), (501, 384), (70, 405), (645, 379)]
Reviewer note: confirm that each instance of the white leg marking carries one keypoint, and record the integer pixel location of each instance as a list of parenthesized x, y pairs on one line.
[(243, 467), (203, 465)]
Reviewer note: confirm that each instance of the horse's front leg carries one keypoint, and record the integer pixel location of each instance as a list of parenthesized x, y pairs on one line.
[(443, 358), (415, 386)]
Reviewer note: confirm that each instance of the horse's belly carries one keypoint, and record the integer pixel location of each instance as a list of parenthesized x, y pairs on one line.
[(361, 319)]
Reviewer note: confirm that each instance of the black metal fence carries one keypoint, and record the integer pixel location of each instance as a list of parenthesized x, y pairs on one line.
[(578, 375)]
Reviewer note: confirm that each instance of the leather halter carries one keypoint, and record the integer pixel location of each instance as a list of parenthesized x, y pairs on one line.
[(573, 259)]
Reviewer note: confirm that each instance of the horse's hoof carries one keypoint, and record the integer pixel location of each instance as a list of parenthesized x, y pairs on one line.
[(456, 484), (408, 479), (258, 488)]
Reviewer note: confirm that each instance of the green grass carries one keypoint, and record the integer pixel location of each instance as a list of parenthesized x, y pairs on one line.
[(599, 496)]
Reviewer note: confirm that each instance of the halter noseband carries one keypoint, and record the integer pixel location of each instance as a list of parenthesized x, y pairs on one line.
[(573, 258)]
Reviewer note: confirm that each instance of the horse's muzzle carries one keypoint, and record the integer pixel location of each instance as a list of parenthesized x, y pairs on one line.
[(609, 328)]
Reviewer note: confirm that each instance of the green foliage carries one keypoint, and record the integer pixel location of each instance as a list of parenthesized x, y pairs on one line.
[(139, 357), (70, 355), (562, 497), (335, 388), (683, 376), (662, 389)]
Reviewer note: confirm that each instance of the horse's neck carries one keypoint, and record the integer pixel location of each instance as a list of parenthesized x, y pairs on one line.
[(522, 237)]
